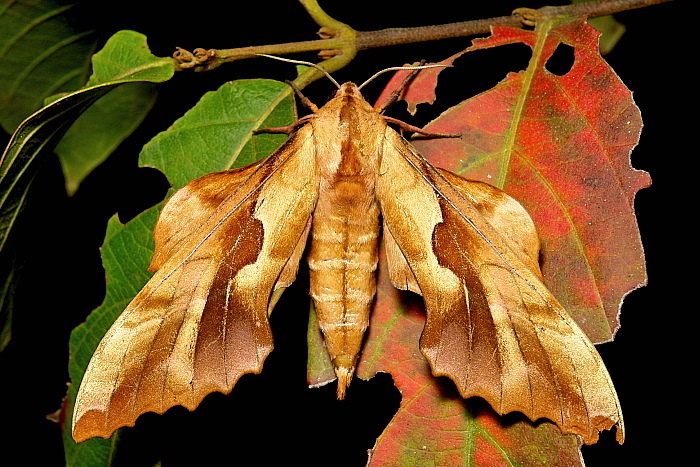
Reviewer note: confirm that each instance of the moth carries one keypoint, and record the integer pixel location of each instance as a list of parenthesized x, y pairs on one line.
[(226, 241)]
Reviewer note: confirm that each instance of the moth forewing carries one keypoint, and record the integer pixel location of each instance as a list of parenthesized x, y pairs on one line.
[(201, 320), (492, 326)]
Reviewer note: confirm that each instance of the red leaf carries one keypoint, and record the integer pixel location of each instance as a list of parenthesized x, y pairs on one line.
[(434, 425), (560, 145), (421, 89)]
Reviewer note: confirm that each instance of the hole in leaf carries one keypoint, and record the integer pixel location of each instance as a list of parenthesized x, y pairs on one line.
[(561, 60)]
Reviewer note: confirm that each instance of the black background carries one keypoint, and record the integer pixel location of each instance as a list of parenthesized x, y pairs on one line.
[(274, 417)]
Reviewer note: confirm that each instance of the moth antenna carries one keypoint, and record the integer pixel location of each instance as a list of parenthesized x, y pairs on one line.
[(399, 68), (302, 62)]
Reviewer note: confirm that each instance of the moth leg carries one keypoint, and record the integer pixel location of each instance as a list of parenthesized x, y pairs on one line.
[(287, 130), (403, 126)]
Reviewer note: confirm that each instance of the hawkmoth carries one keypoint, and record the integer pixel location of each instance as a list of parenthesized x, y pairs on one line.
[(227, 240)]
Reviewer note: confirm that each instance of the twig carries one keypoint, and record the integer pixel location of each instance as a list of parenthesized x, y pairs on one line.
[(339, 42), (394, 36)]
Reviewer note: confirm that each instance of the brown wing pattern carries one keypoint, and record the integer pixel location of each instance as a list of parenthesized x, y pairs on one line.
[(201, 321), (492, 326)]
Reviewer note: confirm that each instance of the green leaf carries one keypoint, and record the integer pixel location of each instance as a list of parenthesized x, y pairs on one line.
[(611, 30), (101, 128), (37, 135), (113, 118), (7, 293), (319, 368), (43, 129), (43, 52), (125, 266), (214, 135)]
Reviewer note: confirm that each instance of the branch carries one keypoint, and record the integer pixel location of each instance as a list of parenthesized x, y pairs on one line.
[(340, 43), (385, 37)]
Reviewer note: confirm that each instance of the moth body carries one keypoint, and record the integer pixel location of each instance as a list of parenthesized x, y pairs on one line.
[(343, 252)]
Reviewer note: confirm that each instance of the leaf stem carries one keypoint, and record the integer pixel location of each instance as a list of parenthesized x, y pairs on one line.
[(340, 43)]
